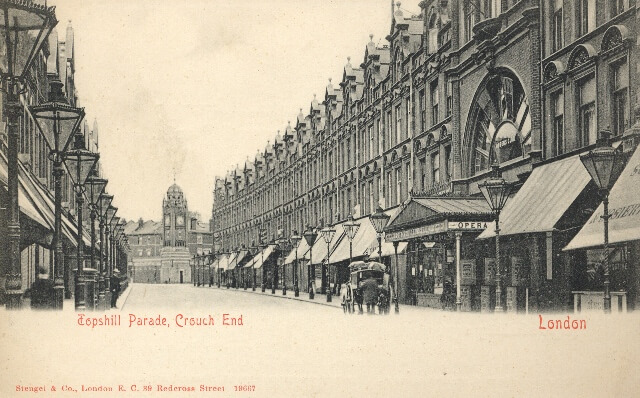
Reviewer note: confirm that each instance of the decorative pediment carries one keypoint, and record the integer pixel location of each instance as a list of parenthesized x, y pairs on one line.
[(581, 55), (614, 38), (553, 70)]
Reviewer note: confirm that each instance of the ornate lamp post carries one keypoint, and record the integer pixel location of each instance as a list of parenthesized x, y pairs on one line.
[(24, 27), (210, 257), (351, 229), (327, 234), (96, 187), (310, 236), (262, 285), (57, 122), (379, 220), (604, 164), (80, 163), (281, 248), (496, 192), (105, 201), (110, 213), (295, 240)]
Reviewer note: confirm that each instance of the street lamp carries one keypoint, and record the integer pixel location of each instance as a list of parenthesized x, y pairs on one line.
[(110, 213), (105, 201), (379, 220), (24, 27), (351, 229), (310, 236), (295, 240), (604, 164), (496, 191), (57, 122), (80, 162), (96, 187), (281, 248), (327, 234)]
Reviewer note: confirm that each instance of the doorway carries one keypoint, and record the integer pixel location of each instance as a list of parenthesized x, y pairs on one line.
[(181, 276)]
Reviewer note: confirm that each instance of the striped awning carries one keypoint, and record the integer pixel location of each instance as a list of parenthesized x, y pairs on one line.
[(543, 199)]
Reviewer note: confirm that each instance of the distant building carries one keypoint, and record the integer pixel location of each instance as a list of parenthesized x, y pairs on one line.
[(161, 250)]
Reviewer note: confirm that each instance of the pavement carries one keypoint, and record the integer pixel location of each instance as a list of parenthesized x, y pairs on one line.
[(196, 296)]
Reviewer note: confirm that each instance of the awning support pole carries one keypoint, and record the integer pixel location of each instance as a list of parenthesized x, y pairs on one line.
[(458, 273)]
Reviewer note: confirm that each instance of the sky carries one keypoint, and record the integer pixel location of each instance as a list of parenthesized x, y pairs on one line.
[(194, 87)]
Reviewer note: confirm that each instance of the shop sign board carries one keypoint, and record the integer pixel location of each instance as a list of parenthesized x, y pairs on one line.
[(512, 299), (468, 271), (517, 271), (489, 271), (416, 232), (486, 302), (467, 225), (465, 296)]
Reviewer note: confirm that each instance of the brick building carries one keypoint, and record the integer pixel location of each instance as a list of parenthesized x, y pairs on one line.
[(417, 125), (161, 251)]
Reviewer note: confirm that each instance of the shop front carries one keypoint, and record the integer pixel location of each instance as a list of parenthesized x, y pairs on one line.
[(444, 262), (621, 256)]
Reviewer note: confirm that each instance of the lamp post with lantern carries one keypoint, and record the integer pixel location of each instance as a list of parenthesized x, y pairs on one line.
[(379, 220), (496, 191), (327, 234), (57, 122), (80, 163), (310, 236), (24, 27), (604, 164), (295, 240), (351, 229)]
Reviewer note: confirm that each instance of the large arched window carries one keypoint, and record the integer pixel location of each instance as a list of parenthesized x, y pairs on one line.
[(500, 123), (434, 23)]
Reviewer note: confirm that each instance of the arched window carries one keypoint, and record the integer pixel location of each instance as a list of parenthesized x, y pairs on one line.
[(500, 123), (434, 26), (398, 68)]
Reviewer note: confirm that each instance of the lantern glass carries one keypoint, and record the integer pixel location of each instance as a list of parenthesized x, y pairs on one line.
[(310, 236), (295, 238), (27, 25), (105, 202), (327, 234), (96, 187), (351, 228), (604, 165), (56, 120), (80, 163), (496, 192), (379, 220)]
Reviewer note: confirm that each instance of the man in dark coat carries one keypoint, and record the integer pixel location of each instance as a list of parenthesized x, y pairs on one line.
[(370, 291), (114, 284)]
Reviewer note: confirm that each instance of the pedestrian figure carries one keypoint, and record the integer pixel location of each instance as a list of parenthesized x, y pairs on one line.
[(115, 290), (370, 290), (358, 299), (345, 293)]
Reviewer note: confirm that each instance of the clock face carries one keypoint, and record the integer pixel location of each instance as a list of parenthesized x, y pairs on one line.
[(179, 220)]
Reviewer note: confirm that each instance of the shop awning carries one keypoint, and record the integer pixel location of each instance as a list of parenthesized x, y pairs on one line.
[(231, 262), (224, 262), (239, 257), (250, 263), (543, 199), (422, 217), (624, 212), (387, 249), (319, 249), (263, 256), (303, 248), (364, 238), (27, 201)]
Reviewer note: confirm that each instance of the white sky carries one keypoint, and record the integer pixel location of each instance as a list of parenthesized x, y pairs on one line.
[(200, 85)]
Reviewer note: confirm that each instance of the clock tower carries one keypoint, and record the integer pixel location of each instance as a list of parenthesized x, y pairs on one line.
[(174, 255), (174, 218)]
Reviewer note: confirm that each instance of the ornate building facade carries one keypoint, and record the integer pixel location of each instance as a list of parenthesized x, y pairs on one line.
[(459, 88), (161, 252)]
